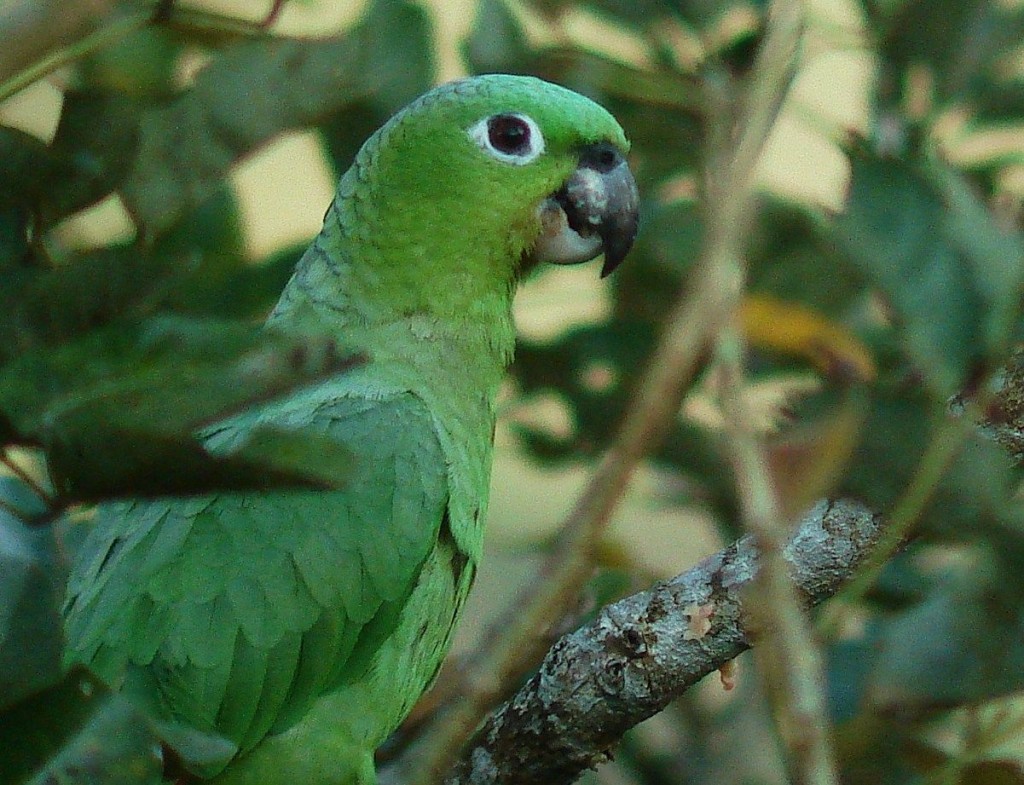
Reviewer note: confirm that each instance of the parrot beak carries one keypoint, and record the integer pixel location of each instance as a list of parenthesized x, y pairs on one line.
[(595, 212)]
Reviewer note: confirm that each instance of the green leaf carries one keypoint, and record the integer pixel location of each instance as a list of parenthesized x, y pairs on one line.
[(1000, 102), (316, 458), (117, 410), (224, 286), (257, 89), (142, 64), (794, 258), (976, 500), (848, 665), (198, 267), (78, 733), (963, 644), (90, 154), (97, 464), (599, 75), (15, 250), (664, 124), (919, 233), (993, 772), (895, 433), (31, 592), (246, 96), (396, 50), (994, 256), (147, 459), (959, 41), (26, 172), (51, 307), (894, 231), (397, 64), (664, 253), (638, 15), (95, 142), (26, 165), (496, 42)]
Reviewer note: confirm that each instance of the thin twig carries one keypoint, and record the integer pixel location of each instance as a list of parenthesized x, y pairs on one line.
[(787, 654), (77, 37), (19, 471), (273, 14), (50, 60), (789, 658), (14, 512)]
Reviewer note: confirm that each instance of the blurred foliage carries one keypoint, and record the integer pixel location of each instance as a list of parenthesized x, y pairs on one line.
[(112, 358)]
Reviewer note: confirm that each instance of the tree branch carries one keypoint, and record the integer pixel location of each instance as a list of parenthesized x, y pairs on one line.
[(646, 650)]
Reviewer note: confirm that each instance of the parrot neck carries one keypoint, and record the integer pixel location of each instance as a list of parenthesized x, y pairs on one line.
[(429, 316)]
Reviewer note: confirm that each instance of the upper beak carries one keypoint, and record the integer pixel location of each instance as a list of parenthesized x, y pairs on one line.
[(596, 211)]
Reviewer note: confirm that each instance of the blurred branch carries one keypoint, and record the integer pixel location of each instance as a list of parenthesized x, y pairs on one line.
[(646, 650), (788, 657), (17, 470), (276, 7), (40, 37), (14, 512), (791, 665), (519, 638)]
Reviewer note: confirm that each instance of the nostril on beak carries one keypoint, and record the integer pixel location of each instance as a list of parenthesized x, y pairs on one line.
[(601, 157)]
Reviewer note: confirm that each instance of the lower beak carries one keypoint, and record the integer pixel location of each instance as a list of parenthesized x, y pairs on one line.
[(595, 212)]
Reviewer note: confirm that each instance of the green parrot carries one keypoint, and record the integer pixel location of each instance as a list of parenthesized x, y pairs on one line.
[(303, 625)]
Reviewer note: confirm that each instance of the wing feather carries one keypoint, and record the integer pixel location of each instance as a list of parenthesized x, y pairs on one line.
[(244, 608)]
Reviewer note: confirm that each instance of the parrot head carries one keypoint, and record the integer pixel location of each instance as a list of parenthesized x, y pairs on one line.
[(565, 155), (499, 173)]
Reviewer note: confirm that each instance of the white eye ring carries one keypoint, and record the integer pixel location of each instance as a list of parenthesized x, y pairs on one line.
[(485, 133)]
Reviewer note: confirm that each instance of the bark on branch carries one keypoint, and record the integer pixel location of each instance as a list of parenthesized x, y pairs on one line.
[(644, 651)]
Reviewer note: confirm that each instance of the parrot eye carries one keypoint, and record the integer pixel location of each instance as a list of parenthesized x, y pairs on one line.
[(509, 134), (512, 138)]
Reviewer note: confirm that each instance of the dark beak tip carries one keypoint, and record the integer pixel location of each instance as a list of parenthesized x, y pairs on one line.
[(623, 221), (613, 258), (618, 239)]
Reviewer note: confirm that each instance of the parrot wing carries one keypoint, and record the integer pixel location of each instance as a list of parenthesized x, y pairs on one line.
[(238, 610)]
